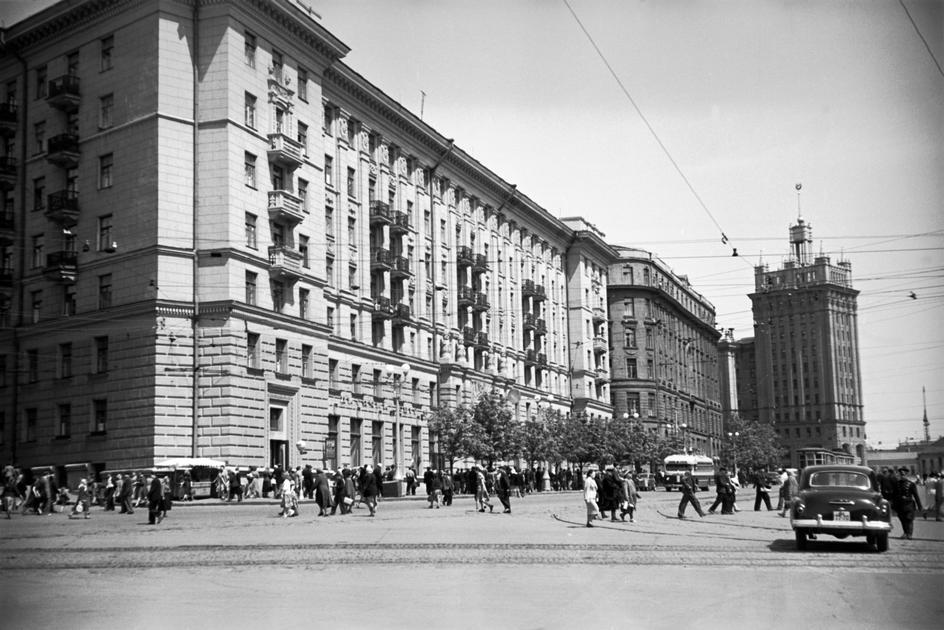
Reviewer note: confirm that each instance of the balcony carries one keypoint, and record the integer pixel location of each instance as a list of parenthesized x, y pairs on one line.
[(61, 266), (402, 315), (481, 302), (7, 172), (599, 345), (285, 263), (284, 206), (8, 119), (401, 267), (383, 309), (530, 357), (540, 327), (464, 256), (479, 264), (536, 291), (598, 315), (7, 228), (530, 321), (400, 223), (63, 207), (63, 150), (466, 296), (284, 151), (63, 93), (468, 336), (380, 213), (380, 259), (6, 279), (481, 340), (601, 376), (542, 359)]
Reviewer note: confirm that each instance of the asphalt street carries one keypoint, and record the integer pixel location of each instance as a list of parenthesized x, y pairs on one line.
[(217, 565)]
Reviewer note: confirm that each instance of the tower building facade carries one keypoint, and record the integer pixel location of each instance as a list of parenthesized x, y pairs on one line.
[(807, 369)]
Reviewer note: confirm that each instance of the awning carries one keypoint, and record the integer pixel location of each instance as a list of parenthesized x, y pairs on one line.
[(189, 462)]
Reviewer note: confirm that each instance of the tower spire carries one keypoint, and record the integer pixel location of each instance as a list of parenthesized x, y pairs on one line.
[(927, 425)]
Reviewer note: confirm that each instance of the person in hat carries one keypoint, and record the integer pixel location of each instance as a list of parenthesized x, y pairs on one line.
[(590, 498), (906, 502), (83, 500), (503, 487), (789, 491), (155, 499)]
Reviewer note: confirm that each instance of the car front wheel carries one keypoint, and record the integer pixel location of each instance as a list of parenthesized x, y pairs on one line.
[(801, 539), (881, 542)]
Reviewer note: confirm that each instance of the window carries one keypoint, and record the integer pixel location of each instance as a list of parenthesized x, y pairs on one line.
[(68, 300), (65, 360), (326, 121), (101, 355), (631, 368), (107, 46), (278, 177), (105, 165), (105, 106), (32, 366), (250, 111), (99, 415), (104, 291), (251, 288), (29, 426), (38, 258), (105, 237), (355, 379), (352, 277), (280, 120), (329, 270), (354, 326), (328, 170), (303, 250), (351, 183), (278, 296), (329, 319), (630, 338), (371, 188), (72, 63), (36, 306), (41, 82), (277, 65), (64, 427), (303, 137), (39, 193), (306, 361), (252, 350), (303, 303), (303, 193), (249, 161), (39, 136), (651, 412), (351, 231), (251, 230), (249, 49), (329, 221), (281, 356), (303, 84)]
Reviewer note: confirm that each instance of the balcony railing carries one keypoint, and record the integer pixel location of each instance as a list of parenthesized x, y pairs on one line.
[(285, 262), (63, 150), (7, 228), (401, 266), (480, 263), (381, 259), (602, 376), (285, 151), (530, 321), (8, 118), (383, 308), (530, 357), (542, 358), (7, 171), (380, 212), (529, 289), (464, 256), (400, 222), (466, 296), (61, 266), (599, 345), (284, 206), (481, 339), (481, 302), (540, 327), (63, 207), (468, 335), (402, 314), (64, 93), (599, 315)]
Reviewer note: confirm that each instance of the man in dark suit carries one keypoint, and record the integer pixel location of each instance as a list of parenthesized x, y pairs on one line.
[(725, 492), (689, 488), (762, 486), (906, 502), (124, 498)]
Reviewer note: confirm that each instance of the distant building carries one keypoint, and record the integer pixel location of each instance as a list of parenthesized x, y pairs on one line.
[(664, 366), (806, 342)]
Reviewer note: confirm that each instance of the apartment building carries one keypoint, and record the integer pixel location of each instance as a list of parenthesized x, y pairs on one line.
[(219, 240), (664, 362)]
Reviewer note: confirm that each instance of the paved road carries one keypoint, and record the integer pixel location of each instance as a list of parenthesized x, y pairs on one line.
[(239, 565)]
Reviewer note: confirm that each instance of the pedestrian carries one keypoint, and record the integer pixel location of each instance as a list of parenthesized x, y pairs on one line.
[(689, 488), (788, 492), (288, 497), (782, 476), (369, 488), (9, 490), (590, 498), (610, 490), (631, 495), (503, 488), (155, 499), (448, 488), (434, 489), (906, 502), (762, 490), (410, 477), (124, 495), (83, 500), (938, 480), (481, 490), (110, 494), (339, 494), (322, 490), (725, 492), (186, 487)]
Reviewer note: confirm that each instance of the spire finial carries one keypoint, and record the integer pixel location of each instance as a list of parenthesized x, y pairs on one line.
[(799, 186)]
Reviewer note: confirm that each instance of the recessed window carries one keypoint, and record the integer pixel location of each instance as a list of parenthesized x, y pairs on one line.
[(249, 169), (101, 355), (250, 111), (41, 78), (64, 427), (105, 106), (252, 350), (249, 49), (99, 415), (107, 48), (106, 239), (251, 279), (303, 84), (329, 170), (105, 166), (251, 230), (32, 366), (281, 356), (104, 291), (303, 137), (39, 137)]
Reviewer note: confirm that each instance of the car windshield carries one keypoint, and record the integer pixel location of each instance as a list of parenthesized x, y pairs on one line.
[(844, 479)]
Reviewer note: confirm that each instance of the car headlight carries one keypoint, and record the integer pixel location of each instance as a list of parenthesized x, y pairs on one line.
[(883, 507), (798, 508)]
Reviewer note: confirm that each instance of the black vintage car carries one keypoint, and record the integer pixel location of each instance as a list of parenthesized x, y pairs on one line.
[(841, 501)]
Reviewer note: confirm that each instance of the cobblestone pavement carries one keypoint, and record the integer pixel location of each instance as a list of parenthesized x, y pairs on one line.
[(544, 541)]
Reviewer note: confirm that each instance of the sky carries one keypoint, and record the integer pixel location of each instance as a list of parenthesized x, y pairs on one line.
[(697, 119)]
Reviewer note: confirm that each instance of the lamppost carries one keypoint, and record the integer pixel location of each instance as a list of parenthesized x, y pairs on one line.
[(684, 426), (733, 436), (398, 374)]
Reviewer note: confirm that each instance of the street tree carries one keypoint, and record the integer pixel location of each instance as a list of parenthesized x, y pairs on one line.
[(459, 436), (496, 422)]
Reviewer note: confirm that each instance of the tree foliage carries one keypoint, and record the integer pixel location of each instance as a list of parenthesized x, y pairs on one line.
[(497, 428), (756, 445), (458, 435)]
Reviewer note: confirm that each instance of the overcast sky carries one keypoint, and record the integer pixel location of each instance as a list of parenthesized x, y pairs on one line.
[(748, 97)]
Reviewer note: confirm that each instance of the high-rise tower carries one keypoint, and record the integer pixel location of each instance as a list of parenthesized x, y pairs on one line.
[(807, 353)]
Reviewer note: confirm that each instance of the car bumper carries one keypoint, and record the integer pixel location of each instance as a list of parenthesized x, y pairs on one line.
[(864, 525)]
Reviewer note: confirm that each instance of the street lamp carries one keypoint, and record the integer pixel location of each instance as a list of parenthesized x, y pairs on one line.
[(398, 375), (734, 437), (684, 426)]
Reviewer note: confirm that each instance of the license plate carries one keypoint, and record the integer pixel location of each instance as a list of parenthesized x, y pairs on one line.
[(840, 515)]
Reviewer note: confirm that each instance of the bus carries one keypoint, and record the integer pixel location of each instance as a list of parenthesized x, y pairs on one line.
[(703, 470)]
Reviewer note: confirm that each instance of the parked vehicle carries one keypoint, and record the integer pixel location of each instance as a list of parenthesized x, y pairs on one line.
[(676, 465), (645, 482), (840, 500)]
